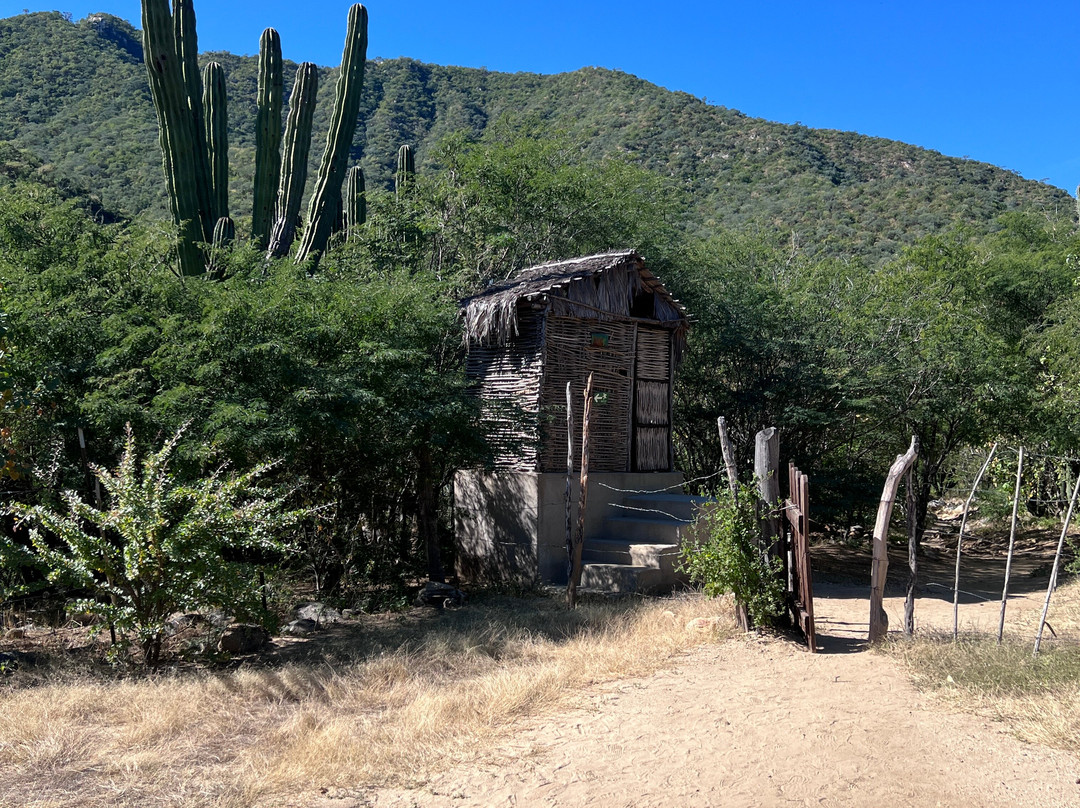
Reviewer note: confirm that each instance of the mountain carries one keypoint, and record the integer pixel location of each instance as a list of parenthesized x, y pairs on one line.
[(76, 95)]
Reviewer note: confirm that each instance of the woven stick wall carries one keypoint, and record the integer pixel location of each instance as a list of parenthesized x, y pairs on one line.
[(508, 383), (574, 348)]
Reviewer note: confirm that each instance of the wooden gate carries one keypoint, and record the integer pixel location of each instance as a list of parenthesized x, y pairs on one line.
[(797, 508)]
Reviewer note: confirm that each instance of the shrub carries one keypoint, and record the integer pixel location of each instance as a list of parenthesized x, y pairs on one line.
[(728, 558), (158, 546)]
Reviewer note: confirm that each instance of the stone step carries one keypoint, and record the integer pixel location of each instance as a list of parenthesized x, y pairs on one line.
[(674, 506), (619, 551)]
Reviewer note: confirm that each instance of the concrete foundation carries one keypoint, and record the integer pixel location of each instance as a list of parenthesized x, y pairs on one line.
[(511, 525)]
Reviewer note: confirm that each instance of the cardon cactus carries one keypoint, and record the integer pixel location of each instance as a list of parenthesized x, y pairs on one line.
[(338, 139), (355, 202), (406, 169), (182, 158), (187, 51), (294, 159), (215, 113), (224, 235), (267, 135)]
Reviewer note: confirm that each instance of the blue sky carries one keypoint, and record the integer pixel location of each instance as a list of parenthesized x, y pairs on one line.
[(994, 81)]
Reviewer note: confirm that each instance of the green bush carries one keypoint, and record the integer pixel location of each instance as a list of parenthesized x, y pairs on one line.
[(158, 546), (728, 557)]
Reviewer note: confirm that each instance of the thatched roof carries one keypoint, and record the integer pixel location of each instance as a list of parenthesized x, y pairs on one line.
[(595, 287)]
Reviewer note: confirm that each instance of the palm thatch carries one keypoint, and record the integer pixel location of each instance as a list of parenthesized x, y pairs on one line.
[(607, 287)]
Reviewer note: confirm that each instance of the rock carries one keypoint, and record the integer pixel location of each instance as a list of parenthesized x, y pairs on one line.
[(217, 618), (15, 634), (440, 596), (348, 614), (322, 614), (703, 623), (243, 638), (300, 628), (178, 621)]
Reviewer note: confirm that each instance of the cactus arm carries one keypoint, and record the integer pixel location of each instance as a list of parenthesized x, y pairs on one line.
[(175, 131), (267, 136), (215, 113), (338, 138), (355, 202), (187, 51), (406, 168), (294, 159)]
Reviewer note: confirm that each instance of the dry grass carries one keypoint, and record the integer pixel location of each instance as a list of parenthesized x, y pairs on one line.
[(448, 687), (1037, 698)]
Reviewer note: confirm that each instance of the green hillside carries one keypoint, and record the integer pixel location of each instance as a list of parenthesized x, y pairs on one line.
[(75, 94)]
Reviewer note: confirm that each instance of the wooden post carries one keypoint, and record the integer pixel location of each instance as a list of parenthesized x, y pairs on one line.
[(959, 542), (912, 552), (1012, 544), (729, 457), (766, 464), (879, 621), (569, 484), (1057, 563), (579, 539)]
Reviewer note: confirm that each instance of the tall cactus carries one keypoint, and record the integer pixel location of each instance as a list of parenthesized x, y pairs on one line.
[(294, 159), (355, 202), (215, 114), (406, 169), (176, 133), (338, 138), (187, 51), (267, 136)]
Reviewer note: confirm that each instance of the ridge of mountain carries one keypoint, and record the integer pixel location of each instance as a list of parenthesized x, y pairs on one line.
[(75, 94)]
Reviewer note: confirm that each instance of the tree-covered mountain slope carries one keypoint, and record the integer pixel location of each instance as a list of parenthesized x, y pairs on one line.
[(75, 94)]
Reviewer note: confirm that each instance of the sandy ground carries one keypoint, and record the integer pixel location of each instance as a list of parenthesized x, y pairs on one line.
[(760, 722)]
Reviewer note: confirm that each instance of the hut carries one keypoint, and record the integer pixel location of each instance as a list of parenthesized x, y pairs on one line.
[(528, 337)]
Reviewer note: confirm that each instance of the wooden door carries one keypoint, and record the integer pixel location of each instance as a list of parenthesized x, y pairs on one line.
[(652, 400)]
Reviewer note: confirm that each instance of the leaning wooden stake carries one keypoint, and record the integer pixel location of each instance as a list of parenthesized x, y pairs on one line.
[(959, 542), (1012, 544), (729, 457), (879, 621), (579, 539), (569, 484), (1057, 564)]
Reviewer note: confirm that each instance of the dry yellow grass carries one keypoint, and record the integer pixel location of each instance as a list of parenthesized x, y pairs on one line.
[(390, 716), (1038, 699)]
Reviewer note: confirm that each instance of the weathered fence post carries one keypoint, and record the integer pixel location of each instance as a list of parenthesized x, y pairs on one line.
[(1012, 544), (569, 484), (959, 542), (1057, 564), (913, 551), (579, 539), (766, 464), (879, 621), (729, 457)]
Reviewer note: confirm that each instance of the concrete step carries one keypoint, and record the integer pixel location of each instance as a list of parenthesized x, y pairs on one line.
[(673, 506), (619, 551), (652, 529), (621, 578)]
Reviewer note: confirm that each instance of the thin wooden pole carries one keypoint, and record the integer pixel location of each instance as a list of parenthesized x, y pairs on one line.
[(569, 484), (960, 541), (1012, 544), (729, 457), (1057, 563), (579, 539), (912, 553), (879, 621)]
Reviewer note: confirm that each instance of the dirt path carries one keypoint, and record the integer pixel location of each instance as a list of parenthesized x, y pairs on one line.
[(760, 722)]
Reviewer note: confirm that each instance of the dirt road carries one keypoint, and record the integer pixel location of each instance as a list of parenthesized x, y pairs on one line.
[(760, 722)]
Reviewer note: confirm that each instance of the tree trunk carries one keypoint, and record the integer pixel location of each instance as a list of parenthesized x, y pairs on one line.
[(427, 512), (879, 621)]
